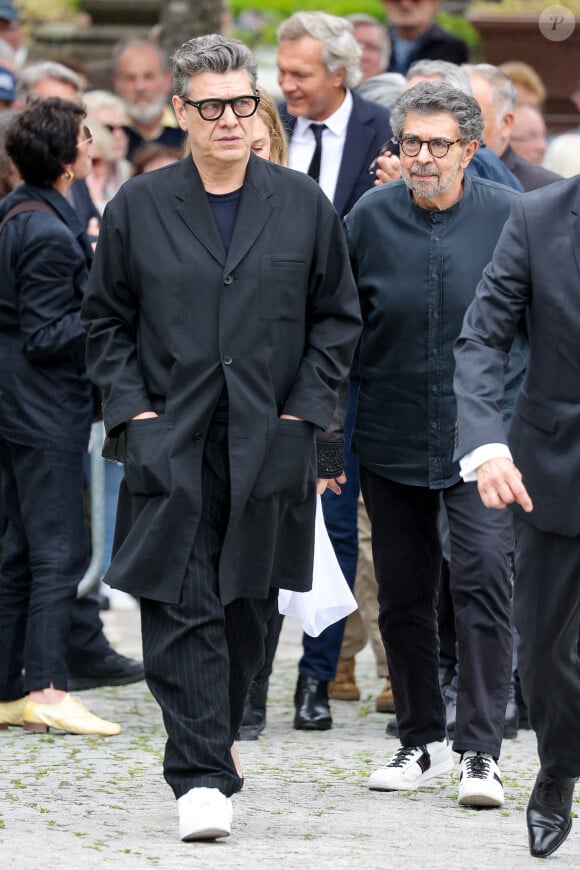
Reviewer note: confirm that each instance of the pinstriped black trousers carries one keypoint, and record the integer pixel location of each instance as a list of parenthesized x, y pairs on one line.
[(199, 656)]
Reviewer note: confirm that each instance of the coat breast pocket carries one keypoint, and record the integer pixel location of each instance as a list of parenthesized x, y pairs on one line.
[(283, 288), (289, 467), (147, 456)]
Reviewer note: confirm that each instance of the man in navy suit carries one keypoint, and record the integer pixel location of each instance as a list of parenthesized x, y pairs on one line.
[(318, 63)]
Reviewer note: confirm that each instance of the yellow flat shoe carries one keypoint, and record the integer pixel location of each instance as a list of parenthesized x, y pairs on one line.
[(11, 712), (68, 715)]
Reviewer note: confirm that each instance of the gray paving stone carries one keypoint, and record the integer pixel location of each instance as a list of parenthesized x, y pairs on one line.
[(69, 802)]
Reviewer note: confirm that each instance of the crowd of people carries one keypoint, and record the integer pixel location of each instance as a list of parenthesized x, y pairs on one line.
[(348, 294)]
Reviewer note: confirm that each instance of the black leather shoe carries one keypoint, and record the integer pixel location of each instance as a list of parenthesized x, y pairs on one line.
[(110, 670), (392, 729), (549, 814), (253, 721), (311, 703)]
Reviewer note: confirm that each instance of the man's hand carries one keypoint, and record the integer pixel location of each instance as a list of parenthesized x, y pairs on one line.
[(291, 417), (332, 483), (500, 483), (144, 415), (388, 168)]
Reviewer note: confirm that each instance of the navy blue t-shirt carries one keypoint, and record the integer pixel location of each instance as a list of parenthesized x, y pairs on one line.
[(225, 211)]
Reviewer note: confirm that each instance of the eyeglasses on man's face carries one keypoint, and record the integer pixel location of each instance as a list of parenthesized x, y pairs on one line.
[(438, 147), (212, 108)]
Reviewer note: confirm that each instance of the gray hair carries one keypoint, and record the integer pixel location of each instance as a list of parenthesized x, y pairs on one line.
[(139, 42), (47, 69), (98, 99), (383, 89), (445, 71), (340, 50), (212, 53), (503, 90), (436, 98), (370, 21)]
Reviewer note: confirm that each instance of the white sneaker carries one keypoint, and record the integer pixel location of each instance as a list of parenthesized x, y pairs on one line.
[(480, 782), (204, 814), (413, 766)]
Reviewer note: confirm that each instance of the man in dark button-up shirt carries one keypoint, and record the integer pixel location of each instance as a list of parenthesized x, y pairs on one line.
[(418, 247)]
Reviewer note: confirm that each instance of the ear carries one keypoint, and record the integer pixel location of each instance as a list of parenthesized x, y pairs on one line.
[(506, 124), (468, 152), (339, 77), (179, 110)]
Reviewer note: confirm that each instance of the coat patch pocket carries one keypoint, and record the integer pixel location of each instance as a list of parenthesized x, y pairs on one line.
[(289, 466), (283, 288), (147, 459)]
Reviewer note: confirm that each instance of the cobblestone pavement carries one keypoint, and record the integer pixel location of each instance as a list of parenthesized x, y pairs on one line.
[(71, 802)]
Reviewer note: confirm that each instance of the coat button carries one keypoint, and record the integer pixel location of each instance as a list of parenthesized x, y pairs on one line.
[(228, 279), (228, 360), (198, 436)]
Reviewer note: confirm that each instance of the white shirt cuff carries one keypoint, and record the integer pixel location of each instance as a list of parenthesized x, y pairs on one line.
[(469, 463)]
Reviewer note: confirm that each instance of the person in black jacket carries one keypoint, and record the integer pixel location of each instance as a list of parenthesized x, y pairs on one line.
[(45, 419), (415, 36)]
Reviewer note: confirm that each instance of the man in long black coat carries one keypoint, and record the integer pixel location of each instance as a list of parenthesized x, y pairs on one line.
[(222, 318)]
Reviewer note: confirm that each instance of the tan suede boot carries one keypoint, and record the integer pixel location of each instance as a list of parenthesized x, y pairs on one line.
[(384, 701), (344, 687)]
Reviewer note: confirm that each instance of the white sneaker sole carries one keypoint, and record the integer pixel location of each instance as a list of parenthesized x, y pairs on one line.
[(206, 822), (205, 832), (472, 796), (385, 779)]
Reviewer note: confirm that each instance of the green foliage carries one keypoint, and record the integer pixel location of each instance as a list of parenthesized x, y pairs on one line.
[(280, 9), (461, 28), (519, 7), (262, 17), (47, 10)]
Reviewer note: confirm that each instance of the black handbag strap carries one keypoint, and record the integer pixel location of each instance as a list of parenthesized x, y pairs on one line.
[(27, 205)]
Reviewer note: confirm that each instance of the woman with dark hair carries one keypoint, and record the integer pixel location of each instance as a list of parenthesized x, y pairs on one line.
[(45, 418)]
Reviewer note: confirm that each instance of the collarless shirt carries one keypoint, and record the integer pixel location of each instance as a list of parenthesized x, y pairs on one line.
[(417, 271), (302, 144)]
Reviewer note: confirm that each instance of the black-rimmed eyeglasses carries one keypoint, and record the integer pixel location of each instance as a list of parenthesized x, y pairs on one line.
[(212, 109), (411, 146)]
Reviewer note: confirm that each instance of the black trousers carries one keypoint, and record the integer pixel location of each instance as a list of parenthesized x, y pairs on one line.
[(45, 553), (199, 656), (407, 559), (547, 616)]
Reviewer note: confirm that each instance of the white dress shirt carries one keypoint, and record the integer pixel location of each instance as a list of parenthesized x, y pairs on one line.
[(302, 144), (469, 463)]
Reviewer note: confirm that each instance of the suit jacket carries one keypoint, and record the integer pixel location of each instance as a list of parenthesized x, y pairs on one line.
[(170, 318), (534, 273), (528, 174), (368, 128), (434, 44)]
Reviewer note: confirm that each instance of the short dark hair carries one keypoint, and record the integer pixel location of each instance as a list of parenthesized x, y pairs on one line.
[(43, 137)]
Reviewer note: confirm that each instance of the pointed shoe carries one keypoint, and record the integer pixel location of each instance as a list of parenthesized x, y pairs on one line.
[(11, 712), (549, 814), (68, 715)]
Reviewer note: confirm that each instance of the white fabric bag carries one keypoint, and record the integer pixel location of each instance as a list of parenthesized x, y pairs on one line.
[(330, 598)]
